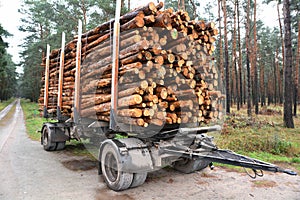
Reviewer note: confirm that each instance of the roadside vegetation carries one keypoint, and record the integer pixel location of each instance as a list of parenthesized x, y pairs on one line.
[(3, 104), (34, 122), (33, 119), (263, 136)]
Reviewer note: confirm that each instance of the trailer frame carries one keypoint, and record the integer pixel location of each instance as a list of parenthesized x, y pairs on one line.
[(125, 162)]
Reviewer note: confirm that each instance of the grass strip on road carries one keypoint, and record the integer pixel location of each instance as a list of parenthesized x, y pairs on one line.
[(34, 122), (33, 119)]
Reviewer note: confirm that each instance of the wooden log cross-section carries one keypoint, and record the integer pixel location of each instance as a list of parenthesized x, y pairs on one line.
[(166, 72)]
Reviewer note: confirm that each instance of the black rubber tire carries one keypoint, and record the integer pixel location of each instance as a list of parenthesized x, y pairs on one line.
[(110, 166), (138, 179), (188, 166), (46, 140), (60, 145)]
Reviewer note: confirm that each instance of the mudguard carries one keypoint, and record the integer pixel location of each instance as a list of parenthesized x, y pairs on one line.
[(133, 154)]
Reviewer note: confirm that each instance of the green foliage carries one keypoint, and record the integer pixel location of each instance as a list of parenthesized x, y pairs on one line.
[(34, 122), (8, 75), (3, 104), (44, 21), (189, 6)]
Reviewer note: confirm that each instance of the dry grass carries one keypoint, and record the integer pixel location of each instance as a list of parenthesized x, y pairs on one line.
[(262, 136)]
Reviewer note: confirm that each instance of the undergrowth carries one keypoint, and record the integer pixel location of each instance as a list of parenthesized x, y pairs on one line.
[(3, 104), (262, 136), (33, 119)]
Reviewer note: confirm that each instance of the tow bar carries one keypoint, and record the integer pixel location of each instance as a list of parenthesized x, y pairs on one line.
[(204, 148)]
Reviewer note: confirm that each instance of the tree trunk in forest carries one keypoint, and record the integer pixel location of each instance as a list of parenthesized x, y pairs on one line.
[(276, 83), (221, 67), (234, 78), (240, 84), (228, 95), (262, 80), (248, 53), (296, 92), (255, 86), (194, 9), (181, 5), (280, 89), (279, 84), (288, 67)]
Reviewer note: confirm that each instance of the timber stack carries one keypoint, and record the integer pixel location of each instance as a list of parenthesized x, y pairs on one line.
[(166, 72)]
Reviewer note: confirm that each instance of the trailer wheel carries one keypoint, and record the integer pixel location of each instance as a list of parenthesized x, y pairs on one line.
[(188, 165), (111, 169), (138, 179), (46, 139), (60, 145)]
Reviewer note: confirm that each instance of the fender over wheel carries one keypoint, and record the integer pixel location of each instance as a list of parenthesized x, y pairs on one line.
[(46, 139), (111, 166)]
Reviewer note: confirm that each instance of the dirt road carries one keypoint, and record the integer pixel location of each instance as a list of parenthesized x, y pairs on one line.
[(29, 172)]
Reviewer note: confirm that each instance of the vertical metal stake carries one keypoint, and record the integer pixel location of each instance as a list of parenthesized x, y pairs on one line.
[(46, 90), (61, 76), (77, 75), (115, 69)]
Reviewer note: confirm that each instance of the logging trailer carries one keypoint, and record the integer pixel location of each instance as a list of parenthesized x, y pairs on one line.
[(125, 161)]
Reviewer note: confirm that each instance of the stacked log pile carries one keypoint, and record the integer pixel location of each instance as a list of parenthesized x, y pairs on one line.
[(166, 72)]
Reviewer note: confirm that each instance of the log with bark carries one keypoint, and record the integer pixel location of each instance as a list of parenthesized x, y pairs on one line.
[(166, 71)]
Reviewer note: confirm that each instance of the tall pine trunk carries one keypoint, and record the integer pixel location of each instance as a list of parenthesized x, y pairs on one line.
[(240, 84), (255, 85), (226, 64), (296, 95), (221, 67), (280, 93), (288, 67), (248, 60), (234, 78)]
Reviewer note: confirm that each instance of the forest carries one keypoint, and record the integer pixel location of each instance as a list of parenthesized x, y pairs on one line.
[(258, 64)]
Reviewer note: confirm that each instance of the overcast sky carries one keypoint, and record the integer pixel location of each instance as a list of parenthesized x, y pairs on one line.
[(10, 20)]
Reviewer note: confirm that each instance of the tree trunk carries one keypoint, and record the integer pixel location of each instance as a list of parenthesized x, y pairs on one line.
[(228, 96), (296, 95), (255, 86), (262, 81), (288, 69), (234, 65), (280, 89), (240, 84), (276, 83), (221, 67), (248, 53)]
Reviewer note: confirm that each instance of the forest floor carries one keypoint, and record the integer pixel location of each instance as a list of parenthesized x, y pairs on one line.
[(262, 136)]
